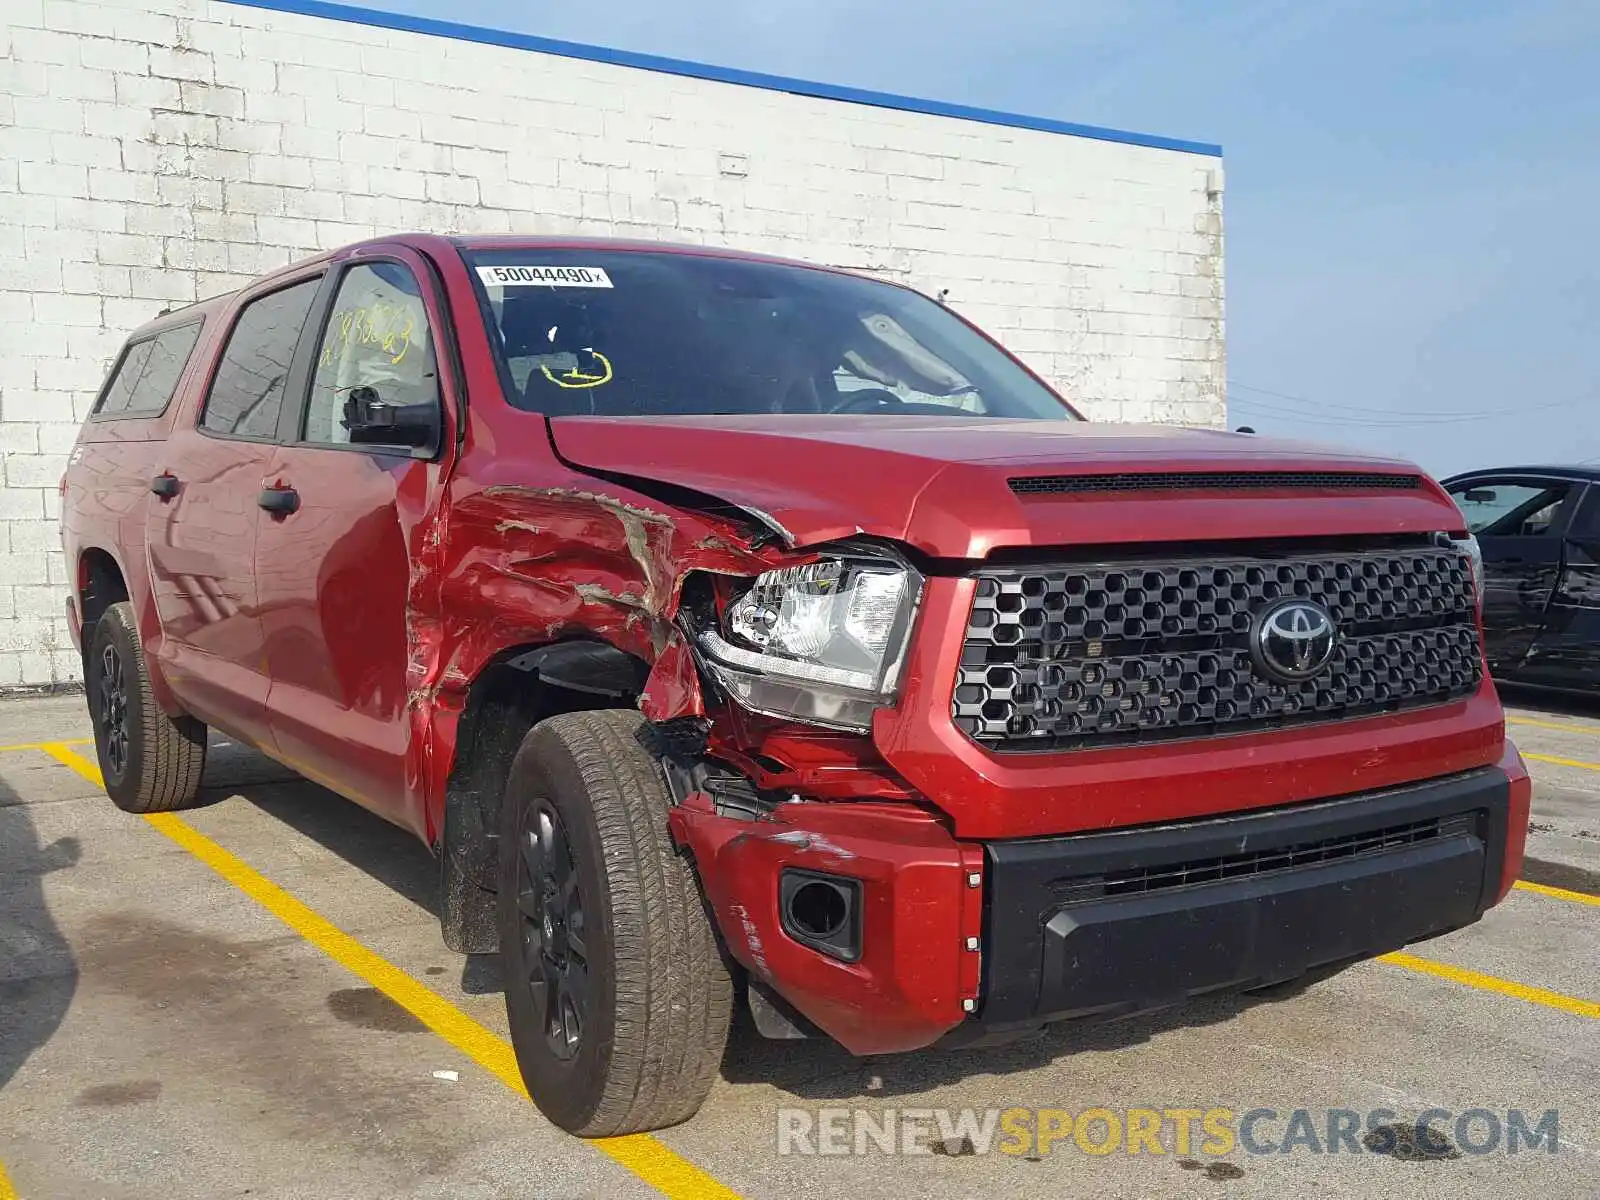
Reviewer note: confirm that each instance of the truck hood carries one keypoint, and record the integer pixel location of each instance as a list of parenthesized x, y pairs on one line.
[(944, 484)]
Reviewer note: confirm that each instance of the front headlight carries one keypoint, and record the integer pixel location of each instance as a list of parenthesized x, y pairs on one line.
[(1470, 550), (822, 643)]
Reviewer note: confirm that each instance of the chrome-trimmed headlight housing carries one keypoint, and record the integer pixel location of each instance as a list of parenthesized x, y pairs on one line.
[(822, 643), (1467, 546)]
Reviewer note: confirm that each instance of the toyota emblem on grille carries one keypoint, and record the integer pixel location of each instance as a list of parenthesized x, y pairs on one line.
[(1293, 641)]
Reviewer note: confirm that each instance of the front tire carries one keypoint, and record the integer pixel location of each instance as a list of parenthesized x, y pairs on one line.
[(617, 993), (150, 762)]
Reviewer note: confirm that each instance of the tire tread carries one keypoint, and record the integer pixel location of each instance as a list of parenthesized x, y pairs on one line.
[(169, 757), (673, 989)]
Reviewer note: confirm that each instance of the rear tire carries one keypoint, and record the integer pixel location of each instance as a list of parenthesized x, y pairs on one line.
[(150, 762), (617, 993)]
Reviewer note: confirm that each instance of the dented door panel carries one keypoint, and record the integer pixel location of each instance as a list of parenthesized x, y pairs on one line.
[(347, 577), (1520, 520), (1566, 654)]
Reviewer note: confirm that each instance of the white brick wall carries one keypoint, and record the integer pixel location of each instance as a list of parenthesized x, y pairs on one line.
[(157, 151)]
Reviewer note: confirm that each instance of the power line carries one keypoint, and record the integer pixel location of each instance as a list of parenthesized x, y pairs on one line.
[(1341, 419), (1387, 417), (1356, 408), (1390, 413)]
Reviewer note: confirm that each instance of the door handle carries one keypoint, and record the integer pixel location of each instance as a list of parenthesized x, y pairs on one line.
[(279, 501), (165, 485)]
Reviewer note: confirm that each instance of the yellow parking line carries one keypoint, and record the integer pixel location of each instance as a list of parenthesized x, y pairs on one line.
[(1562, 762), (645, 1156), (45, 746), (7, 1192), (1491, 983), (1591, 729), (1555, 893)]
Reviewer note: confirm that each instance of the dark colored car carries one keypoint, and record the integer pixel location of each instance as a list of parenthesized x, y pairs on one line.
[(729, 626), (1539, 532)]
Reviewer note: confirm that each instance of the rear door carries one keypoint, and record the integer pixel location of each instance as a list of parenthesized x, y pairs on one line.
[(1520, 523), (335, 572), (106, 494), (1566, 653), (202, 523)]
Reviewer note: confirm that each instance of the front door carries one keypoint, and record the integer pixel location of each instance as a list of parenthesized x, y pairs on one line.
[(202, 537), (1519, 524), (334, 568), (1567, 652)]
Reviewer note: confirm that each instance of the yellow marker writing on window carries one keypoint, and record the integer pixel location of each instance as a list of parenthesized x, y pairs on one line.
[(575, 378), (387, 327)]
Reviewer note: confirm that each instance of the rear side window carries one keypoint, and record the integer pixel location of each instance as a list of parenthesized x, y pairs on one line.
[(247, 393), (143, 382)]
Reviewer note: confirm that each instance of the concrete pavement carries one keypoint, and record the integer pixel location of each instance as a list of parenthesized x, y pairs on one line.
[(168, 1030)]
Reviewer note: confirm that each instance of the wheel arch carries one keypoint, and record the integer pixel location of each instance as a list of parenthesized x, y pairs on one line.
[(100, 579), (515, 688), (99, 583)]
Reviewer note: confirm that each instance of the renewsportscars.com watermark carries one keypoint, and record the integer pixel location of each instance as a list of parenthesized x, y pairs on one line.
[(1036, 1132)]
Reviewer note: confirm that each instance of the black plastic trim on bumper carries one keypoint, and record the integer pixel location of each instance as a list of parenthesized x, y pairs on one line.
[(1050, 957)]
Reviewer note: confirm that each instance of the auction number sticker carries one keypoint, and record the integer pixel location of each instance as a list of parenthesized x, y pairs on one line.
[(587, 277)]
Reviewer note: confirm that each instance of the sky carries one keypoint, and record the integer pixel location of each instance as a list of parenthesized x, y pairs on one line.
[(1412, 189)]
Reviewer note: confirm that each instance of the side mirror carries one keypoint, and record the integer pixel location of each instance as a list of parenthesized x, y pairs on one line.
[(373, 420)]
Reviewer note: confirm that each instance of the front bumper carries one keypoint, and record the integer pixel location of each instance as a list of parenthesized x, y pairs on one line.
[(921, 900), (1108, 924), (961, 940)]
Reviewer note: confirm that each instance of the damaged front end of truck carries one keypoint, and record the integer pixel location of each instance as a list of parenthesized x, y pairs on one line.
[(878, 830), (758, 665), (956, 714)]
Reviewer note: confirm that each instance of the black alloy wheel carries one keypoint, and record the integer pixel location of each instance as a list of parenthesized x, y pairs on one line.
[(554, 957), (113, 713), (618, 996)]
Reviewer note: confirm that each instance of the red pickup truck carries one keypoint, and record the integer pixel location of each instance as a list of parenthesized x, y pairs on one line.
[(731, 627)]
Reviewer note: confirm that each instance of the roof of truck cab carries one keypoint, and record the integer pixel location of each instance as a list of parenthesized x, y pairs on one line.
[(169, 317), (1588, 472), (606, 245), (418, 240)]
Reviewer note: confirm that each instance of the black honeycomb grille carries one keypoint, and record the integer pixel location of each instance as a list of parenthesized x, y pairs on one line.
[(1235, 481), (1070, 657)]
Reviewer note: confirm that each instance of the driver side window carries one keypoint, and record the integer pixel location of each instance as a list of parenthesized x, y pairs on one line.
[(1496, 509), (882, 359), (376, 337)]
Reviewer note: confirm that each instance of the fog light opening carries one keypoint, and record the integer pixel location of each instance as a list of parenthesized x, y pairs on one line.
[(822, 911), (819, 909)]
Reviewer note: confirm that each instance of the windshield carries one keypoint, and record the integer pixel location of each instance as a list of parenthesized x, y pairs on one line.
[(637, 333)]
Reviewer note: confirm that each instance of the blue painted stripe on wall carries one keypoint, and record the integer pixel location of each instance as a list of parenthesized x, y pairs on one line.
[(674, 66)]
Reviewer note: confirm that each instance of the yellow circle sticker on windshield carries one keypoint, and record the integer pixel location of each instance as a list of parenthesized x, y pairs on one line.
[(576, 377)]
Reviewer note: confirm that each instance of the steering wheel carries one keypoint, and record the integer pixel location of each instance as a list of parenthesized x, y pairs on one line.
[(867, 400)]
